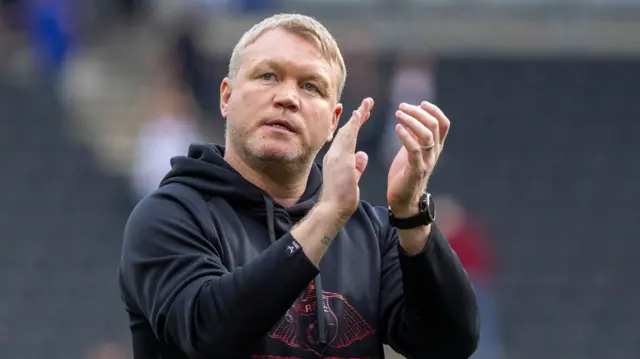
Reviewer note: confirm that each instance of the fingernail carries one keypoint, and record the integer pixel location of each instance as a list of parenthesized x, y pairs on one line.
[(403, 106), (424, 104)]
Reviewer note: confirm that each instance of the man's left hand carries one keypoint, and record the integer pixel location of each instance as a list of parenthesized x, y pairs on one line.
[(422, 130)]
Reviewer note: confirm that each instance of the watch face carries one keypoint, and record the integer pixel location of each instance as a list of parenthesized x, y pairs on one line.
[(431, 207)]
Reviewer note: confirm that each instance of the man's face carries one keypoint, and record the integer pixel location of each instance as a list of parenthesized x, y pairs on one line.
[(282, 104)]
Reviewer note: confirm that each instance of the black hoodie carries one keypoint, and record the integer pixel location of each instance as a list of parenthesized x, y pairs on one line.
[(210, 270)]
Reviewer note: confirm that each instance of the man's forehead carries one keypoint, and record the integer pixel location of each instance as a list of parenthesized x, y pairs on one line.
[(279, 46)]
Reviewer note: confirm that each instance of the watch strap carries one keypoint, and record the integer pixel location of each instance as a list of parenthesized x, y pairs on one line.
[(422, 218), (417, 220)]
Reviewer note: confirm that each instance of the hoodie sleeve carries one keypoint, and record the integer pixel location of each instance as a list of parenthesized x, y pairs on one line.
[(173, 274), (428, 307)]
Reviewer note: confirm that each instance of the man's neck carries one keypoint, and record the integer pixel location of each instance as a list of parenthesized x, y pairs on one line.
[(285, 184)]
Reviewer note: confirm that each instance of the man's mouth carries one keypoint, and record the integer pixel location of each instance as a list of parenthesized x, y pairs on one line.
[(282, 125)]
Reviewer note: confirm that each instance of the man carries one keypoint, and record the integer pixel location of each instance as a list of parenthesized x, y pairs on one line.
[(224, 259)]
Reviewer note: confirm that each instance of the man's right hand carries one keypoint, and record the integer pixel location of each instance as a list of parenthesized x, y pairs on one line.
[(340, 193), (342, 166)]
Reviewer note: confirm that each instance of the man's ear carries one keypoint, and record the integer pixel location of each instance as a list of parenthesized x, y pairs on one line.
[(334, 121), (225, 94)]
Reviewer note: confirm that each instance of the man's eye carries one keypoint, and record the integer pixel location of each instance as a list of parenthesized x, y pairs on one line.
[(311, 87), (268, 76)]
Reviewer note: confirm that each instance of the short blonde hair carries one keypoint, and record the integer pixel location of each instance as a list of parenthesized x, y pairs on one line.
[(301, 25)]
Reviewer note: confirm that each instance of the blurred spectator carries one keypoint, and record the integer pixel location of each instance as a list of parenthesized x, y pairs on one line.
[(53, 30), (169, 131), (193, 65), (471, 244)]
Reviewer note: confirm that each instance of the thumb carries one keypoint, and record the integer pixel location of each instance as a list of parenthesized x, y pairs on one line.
[(361, 163), (347, 135)]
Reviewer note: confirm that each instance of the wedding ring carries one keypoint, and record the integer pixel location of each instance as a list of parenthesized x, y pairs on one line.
[(427, 148)]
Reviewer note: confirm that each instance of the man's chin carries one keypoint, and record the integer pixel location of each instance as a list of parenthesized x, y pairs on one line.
[(278, 153)]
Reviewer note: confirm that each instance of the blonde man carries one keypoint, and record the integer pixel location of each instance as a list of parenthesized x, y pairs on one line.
[(250, 250)]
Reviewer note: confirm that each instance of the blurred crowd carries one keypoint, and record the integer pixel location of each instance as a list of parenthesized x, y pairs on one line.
[(65, 46), (150, 57)]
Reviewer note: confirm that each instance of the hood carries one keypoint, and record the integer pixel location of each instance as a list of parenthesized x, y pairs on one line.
[(205, 170)]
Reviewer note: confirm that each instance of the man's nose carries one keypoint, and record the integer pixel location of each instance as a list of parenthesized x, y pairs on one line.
[(287, 96)]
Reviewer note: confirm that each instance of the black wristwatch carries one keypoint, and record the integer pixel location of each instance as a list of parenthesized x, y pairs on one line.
[(425, 217)]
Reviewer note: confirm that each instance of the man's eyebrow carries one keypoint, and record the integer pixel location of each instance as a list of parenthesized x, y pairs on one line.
[(322, 80), (268, 63)]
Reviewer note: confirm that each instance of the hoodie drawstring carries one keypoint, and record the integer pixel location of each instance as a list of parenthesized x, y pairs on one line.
[(270, 219), (322, 335)]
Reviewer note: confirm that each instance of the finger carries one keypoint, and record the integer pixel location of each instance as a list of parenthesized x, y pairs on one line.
[(347, 135), (361, 163), (414, 151), (425, 118), (419, 131), (366, 106), (364, 110), (444, 124)]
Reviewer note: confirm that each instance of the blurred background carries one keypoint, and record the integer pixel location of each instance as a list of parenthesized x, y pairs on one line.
[(538, 189)]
